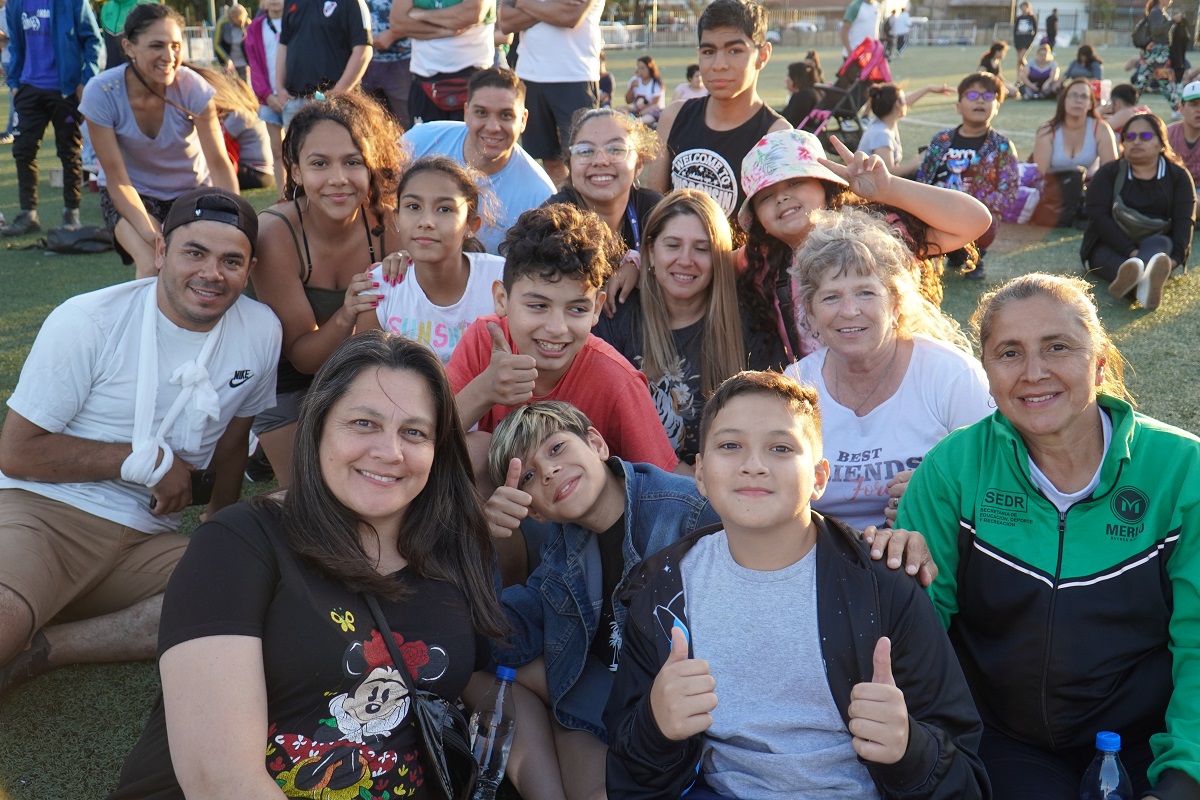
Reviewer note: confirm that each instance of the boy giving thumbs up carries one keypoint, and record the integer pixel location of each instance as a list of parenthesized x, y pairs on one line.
[(768, 656)]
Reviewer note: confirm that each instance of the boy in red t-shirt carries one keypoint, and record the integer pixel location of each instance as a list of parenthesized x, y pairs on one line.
[(539, 343)]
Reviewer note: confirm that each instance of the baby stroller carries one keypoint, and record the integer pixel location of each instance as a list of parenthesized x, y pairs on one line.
[(837, 111)]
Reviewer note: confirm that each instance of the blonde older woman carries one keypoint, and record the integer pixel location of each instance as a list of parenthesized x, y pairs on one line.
[(895, 374)]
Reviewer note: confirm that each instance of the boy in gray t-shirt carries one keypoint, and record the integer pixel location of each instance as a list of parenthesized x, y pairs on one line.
[(835, 676)]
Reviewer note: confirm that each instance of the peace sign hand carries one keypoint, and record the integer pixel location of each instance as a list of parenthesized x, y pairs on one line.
[(867, 175)]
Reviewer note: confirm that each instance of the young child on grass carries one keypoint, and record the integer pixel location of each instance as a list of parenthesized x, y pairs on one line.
[(833, 682), (975, 159), (605, 515)]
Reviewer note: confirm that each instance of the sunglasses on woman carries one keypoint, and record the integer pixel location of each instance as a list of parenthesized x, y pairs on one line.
[(973, 95), (1133, 136)]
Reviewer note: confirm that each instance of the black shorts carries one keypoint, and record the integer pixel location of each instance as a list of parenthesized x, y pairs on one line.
[(154, 207), (552, 107)]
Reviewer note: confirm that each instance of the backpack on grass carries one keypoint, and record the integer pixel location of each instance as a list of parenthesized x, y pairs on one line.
[(78, 241)]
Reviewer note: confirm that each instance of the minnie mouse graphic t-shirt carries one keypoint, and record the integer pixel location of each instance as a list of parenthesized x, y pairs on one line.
[(340, 721)]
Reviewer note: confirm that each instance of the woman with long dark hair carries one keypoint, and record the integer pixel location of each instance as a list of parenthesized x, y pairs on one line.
[(317, 249), (277, 680), (1076, 136)]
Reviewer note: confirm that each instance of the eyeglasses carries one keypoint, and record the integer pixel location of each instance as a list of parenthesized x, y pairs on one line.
[(1133, 136), (587, 152), (973, 95)]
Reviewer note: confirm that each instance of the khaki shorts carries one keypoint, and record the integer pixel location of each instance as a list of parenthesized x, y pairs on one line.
[(68, 564)]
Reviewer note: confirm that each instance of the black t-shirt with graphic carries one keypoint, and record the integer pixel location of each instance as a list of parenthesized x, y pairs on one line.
[(339, 717), (677, 395), (709, 160), (606, 644), (959, 156)]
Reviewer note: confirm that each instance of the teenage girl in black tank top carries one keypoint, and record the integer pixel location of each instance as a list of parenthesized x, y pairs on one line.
[(317, 249)]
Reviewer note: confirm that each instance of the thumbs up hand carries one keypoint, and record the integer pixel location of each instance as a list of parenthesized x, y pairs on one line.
[(510, 377), (682, 697), (878, 714), (508, 505)]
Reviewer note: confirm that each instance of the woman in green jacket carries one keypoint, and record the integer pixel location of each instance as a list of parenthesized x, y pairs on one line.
[(1066, 527)]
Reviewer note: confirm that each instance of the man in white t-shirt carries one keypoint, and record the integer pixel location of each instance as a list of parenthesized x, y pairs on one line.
[(495, 117), (135, 401), (861, 21), (559, 60)]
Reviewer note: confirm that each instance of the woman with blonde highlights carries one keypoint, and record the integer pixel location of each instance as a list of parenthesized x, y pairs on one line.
[(684, 330), (895, 374)]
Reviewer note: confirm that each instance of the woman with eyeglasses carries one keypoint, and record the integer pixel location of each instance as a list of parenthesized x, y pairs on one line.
[(1075, 136), (606, 151), (889, 105), (1141, 214)]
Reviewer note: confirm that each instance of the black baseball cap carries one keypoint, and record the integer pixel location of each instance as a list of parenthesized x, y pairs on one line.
[(216, 205)]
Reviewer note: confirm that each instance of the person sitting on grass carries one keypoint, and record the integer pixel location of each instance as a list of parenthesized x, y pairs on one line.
[(605, 516), (889, 104), (974, 158), (1124, 103), (693, 88), (135, 401), (833, 681)]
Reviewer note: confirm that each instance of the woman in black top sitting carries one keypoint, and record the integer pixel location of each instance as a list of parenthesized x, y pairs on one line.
[(1141, 213)]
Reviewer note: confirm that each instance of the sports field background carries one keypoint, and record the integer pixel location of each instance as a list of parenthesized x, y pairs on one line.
[(65, 734)]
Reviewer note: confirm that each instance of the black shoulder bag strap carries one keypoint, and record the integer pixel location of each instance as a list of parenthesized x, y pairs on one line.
[(440, 724)]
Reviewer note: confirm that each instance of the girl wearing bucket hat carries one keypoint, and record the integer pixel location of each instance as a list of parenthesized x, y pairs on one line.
[(786, 177)]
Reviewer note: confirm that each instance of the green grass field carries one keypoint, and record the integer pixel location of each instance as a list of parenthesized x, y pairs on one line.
[(65, 735)]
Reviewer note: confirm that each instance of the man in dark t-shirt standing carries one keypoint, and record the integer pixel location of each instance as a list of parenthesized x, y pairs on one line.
[(704, 140), (324, 46)]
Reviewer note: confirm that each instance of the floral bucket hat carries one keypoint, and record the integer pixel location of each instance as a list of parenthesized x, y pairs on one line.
[(781, 156)]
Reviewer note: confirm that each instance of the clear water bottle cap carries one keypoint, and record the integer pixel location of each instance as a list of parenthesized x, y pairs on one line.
[(509, 674), (1108, 741)]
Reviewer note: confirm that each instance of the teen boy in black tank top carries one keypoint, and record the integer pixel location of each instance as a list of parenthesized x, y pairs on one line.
[(707, 138)]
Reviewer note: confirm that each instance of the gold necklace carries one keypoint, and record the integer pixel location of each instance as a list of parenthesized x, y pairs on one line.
[(837, 380)]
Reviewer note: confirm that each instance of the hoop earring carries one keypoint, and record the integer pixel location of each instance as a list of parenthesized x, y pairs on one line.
[(307, 204)]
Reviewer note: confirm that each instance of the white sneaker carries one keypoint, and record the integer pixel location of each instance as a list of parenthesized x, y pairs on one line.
[(1128, 275), (1154, 279)]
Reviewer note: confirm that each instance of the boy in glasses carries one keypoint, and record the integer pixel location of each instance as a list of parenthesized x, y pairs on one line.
[(704, 140), (974, 158)]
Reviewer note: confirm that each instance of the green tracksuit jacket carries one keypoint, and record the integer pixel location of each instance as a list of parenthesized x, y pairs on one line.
[(1068, 624)]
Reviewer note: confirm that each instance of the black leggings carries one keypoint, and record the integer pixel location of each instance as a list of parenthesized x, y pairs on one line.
[(1104, 261), (1020, 771)]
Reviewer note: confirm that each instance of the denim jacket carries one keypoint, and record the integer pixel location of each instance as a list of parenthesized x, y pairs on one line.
[(557, 611)]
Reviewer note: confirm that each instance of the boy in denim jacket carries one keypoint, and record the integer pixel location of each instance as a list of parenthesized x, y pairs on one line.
[(605, 516)]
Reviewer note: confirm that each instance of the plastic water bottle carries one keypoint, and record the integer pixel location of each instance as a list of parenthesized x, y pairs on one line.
[(492, 728), (1106, 778)]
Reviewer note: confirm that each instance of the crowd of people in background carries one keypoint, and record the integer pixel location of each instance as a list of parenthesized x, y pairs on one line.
[(645, 393)]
